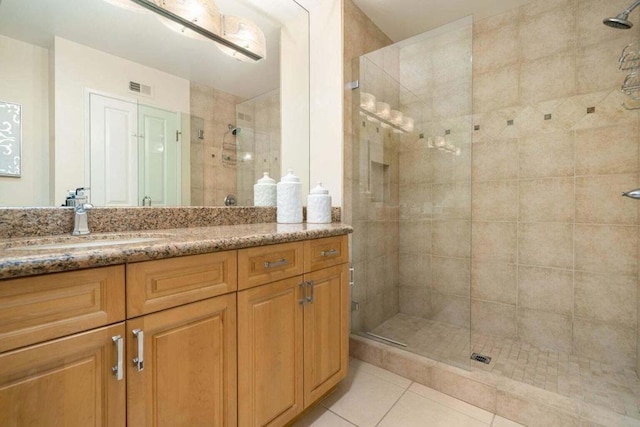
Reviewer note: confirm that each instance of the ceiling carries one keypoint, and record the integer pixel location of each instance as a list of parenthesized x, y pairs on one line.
[(401, 19)]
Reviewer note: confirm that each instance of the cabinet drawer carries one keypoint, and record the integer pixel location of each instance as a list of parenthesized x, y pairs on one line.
[(325, 252), (265, 264), (39, 308), (155, 285)]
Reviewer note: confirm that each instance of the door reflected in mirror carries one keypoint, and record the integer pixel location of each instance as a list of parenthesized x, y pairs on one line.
[(115, 100)]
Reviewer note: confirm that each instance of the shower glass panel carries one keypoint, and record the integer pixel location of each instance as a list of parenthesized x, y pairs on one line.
[(411, 198)]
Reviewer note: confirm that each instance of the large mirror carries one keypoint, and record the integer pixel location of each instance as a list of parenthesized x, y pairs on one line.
[(142, 110)]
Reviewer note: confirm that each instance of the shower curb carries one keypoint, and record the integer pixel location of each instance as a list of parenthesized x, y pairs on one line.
[(505, 397)]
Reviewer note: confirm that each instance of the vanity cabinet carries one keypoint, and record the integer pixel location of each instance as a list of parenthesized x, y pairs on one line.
[(51, 374), (249, 337), (182, 365), (292, 333)]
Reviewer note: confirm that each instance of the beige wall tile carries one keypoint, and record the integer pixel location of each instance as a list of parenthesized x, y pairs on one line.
[(614, 343), (415, 166), (607, 150), (546, 155), (495, 241), (493, 23), (544, 329), (493, 319), (495, 49), (375, 276), (495, 201), (598, 199), (451, 238), (550, 77), (415, 237), (589, 12), (495, 89), (606, 298), (414, 301), (450, 309), (546, 244), (415, 270), (549, 199), (494, 281), (450, 275), (597, 66), (548, 32), (545, 289), (607, 249), (495, 160), (452, 201)]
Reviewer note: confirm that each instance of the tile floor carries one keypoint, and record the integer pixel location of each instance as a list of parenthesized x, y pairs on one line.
[(577, 377), (371, 396)]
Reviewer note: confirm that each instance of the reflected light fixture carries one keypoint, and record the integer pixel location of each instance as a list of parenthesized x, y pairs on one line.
[(203, 13), (245, 34), (202, 17)]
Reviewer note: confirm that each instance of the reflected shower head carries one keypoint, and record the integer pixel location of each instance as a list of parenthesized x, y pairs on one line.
[(621, 21), (233, 129)]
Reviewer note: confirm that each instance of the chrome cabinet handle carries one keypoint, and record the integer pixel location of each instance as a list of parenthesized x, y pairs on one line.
[(117, 369), (311, 297), (138, 361), (279, 263), (330, 252), (304, 293)]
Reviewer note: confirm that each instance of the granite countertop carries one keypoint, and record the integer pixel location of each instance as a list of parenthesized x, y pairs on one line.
[(18, 256)]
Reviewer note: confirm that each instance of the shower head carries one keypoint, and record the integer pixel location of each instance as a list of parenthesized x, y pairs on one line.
[(233, 129), (621, 21)]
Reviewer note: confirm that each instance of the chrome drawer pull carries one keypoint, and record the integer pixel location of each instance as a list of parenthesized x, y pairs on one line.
[(138, 361), (303, 285), (330, 252), (279, 263), (117, 369), (311, 297)]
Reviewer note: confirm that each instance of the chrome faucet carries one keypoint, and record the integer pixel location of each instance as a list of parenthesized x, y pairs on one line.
[(80, 225)]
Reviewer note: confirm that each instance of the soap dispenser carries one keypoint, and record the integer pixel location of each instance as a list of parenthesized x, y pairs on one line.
[(289, 199), (319, 205)]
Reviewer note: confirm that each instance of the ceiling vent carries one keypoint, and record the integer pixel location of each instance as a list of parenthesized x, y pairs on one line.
[(140, 89)]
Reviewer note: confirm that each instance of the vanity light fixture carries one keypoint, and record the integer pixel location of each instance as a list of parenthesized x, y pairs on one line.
[(158, 6), (203, 13), (244, 33)]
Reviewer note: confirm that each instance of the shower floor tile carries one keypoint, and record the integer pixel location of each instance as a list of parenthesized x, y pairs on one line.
[(577, 377)]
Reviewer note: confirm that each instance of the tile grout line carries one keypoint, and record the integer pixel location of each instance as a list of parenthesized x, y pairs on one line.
[(394, 404)]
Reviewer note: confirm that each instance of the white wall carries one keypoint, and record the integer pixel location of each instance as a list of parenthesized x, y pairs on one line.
[(294, 92), (79, 68), (24, 80), (326, 150)]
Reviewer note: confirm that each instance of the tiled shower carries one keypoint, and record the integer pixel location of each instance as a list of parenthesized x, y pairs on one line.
[(519, 246)]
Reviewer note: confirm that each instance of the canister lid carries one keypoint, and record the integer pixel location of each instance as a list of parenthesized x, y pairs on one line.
[(319, 189), (290, 177), (266, 179)]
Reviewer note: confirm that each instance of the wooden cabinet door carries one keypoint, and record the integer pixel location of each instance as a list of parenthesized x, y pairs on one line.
[(66, 382), (326, 330), (188, 377), (270, 381)]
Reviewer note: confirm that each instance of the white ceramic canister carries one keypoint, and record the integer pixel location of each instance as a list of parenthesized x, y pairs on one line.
[(289, 199), (319, 206), (264, 191)]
